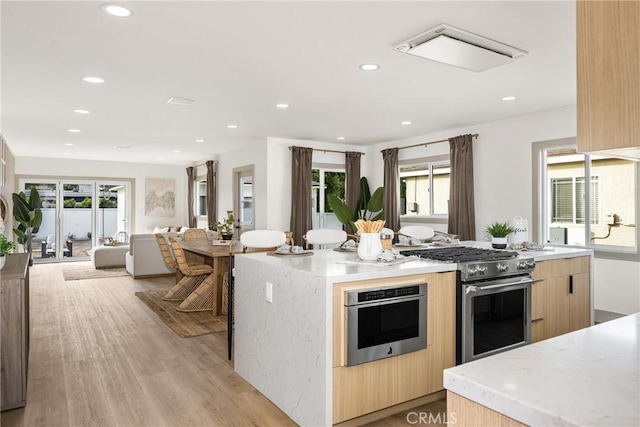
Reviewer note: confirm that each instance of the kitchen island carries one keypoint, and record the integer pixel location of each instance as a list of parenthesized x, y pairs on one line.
[(585, 378), (292, 348), (284, 348)]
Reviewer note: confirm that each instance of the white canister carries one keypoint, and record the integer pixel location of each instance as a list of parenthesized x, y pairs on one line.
[(520, 230)]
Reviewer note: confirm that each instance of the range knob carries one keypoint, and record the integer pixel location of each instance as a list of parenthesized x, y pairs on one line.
[(502, 267), (472, 270), (531, 263), (521, 265), (482, 269)]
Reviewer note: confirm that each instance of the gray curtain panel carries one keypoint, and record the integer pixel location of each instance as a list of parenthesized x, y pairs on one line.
[(391, 189), (462, 216), (191, 179), (212, 201), (352, 169), (301, 160)]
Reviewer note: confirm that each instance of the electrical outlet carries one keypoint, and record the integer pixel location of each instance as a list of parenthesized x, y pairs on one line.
[(269, 292)]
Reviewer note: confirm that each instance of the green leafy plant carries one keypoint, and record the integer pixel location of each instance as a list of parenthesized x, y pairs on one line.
[(226, 225), (28, 215), (499, 229), (6, 246), (369, 206)]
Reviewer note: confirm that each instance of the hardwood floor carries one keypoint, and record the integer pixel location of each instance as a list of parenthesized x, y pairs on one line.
[(99, 356)]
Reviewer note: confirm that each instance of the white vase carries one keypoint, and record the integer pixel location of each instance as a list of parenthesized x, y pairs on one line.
[(3, 259), (499, 242), (369, 246)]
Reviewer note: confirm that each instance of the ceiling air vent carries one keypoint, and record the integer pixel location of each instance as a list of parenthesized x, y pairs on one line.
[(176, 100), (453, 46)]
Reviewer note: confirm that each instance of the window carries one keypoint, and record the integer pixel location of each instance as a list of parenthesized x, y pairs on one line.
[(602, 215), (424, 187), (325, 182), (201, 197)]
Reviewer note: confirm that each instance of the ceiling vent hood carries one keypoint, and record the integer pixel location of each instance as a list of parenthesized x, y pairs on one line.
[(453, 46)]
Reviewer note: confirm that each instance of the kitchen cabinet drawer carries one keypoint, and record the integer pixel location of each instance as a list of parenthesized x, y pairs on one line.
[(561, 267)]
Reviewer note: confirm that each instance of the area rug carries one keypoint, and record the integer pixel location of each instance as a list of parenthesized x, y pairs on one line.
[(81, 273), (185, 325)]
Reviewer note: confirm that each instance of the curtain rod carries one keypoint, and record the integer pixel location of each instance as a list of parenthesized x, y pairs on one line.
[(330, 151), (475, 135)]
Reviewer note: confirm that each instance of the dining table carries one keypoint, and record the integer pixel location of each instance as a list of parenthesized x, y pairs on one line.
[(218, 254)]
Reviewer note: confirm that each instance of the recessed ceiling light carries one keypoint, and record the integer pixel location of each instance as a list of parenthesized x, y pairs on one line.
[(340, 138), (74, 130), (232, 126), (122, 147), (68, 144), (93, 79), (282, 105), (65, 154), (82, 111), (160, 158), (508, 98), (369, 67), (176, 100), (116, 10), (406, 122), (199, 140), (176, 151)]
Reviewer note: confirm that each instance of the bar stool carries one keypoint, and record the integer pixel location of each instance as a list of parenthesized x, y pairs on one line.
[(194, 274)]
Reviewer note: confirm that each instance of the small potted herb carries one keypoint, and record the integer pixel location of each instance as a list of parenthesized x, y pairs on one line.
[(6, 247), (499, 232), (225, 227)]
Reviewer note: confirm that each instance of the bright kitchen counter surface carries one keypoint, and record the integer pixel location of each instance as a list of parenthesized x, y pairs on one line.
[(585, 378)]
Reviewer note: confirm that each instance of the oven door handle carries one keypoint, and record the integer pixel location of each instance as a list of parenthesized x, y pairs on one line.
[(473, 288)]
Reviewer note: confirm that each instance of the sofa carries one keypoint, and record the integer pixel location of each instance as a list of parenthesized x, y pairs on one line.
[(144, 257)]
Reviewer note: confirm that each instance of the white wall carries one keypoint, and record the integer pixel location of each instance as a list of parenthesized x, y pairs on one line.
[(502, 160), (68, 168), (272, 180)]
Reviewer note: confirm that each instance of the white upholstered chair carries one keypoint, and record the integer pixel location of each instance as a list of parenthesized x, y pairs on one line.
[(261, 240), (420, 232), (324, 236)]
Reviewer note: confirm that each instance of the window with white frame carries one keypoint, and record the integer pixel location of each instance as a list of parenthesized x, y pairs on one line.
[(201, 197), (424, 187), (602, 215)]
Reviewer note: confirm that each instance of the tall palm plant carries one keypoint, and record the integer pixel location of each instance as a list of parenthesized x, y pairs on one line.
[(369, 206), (27, 212)]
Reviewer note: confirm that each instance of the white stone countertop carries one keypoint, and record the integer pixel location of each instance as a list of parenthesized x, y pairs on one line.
[(590, 377), (330, 263)]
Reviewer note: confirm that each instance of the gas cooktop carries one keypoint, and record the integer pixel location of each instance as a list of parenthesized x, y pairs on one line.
[(461, 254)]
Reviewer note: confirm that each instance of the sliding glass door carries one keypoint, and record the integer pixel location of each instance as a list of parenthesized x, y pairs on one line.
[(78, 215)]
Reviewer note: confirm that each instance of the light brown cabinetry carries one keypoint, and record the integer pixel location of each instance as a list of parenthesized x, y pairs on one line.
[(369, 387), (14, 330), (608, 55), (561, 301)]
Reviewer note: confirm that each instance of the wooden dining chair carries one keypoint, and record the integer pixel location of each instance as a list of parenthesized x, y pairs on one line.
[(194, 274), (167, 256)]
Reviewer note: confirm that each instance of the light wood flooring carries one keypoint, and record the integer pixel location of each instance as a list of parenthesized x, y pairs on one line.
[(100, 357)]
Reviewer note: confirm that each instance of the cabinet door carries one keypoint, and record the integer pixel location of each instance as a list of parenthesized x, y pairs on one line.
[(608, 65), (557, 307), (580, 301), (537, 311)]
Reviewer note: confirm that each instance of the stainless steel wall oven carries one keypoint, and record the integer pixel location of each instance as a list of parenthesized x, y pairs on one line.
[(385, 322)]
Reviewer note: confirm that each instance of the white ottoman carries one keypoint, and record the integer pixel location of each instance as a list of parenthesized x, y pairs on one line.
[(109, 256)]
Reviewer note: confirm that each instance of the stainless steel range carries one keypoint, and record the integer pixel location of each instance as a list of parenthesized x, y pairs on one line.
[(493, 299)]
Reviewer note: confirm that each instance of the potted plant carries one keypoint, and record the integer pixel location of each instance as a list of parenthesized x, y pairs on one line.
[(499, 232), (369, 206), (28, 215), (6, 247), (225, 227)]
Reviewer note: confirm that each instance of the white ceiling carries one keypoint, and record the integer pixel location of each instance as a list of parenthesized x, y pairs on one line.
[(238, 59)]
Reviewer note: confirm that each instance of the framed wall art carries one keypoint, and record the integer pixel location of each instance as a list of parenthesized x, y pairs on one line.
[(160, 197)]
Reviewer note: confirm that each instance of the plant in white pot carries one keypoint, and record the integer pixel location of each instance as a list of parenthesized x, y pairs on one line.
[(499, 232), (6, 247)]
